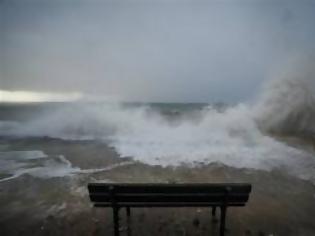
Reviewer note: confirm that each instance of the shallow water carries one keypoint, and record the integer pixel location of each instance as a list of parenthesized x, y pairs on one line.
[(32, 204)]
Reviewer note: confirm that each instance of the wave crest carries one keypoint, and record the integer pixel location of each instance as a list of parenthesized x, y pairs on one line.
[(287, 105)]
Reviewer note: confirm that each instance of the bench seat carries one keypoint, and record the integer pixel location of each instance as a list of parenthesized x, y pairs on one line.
[(127, 195)]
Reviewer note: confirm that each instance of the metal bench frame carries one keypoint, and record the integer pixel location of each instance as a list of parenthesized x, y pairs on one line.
[(108, 194)]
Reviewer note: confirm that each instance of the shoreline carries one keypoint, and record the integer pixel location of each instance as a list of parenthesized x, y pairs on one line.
[(280, 204)]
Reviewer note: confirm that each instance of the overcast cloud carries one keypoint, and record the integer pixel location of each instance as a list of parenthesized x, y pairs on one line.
[(145, 50)]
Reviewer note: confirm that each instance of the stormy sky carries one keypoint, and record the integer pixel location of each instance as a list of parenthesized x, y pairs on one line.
[(146, 50)]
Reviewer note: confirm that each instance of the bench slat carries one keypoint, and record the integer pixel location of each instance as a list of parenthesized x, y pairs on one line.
[(169, 197), (169, 204), (169, 188), (169, 194)]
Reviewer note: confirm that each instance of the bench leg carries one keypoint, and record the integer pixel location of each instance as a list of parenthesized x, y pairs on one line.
[(213, 211), (222, 220), (116, 220), (128, 221)]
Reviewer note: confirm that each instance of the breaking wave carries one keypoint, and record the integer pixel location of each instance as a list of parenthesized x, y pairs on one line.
[(236, 136), (287, 104)]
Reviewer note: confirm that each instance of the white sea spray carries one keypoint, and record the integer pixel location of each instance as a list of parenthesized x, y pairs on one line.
[(236, 136)]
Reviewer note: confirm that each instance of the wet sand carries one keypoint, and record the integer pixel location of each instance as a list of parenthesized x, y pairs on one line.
[(280, 204)]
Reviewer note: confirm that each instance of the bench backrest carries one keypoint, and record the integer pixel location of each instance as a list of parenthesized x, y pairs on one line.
[(107, 194)]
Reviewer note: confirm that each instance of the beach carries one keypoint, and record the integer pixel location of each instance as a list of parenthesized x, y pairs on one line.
[(280, 204)]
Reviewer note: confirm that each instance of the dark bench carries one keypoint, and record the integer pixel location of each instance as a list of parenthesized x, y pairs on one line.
[(168, 195)]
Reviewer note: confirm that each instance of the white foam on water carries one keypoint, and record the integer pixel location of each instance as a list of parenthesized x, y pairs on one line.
[(236, 136), (107, 168), (38, 164), (34, 163), (230, 137)]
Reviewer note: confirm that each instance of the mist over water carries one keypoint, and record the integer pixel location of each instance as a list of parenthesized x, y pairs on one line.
[(237, 136), (287, 104)]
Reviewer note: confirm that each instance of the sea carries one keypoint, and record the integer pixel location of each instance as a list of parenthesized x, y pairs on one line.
[(164, 134), (49, 151)]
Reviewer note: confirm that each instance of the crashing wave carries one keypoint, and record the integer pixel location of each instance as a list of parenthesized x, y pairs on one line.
[(236, 136), (287, 105)]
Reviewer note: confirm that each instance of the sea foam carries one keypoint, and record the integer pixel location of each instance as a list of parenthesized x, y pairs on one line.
[(236, 136)]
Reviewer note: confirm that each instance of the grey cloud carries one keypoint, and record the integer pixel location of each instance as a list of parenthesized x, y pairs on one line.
[(151, 50)]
